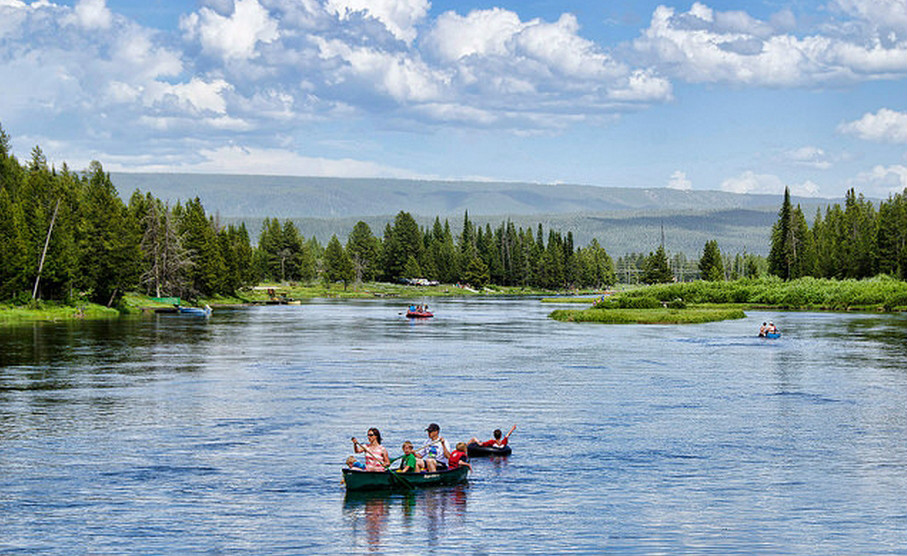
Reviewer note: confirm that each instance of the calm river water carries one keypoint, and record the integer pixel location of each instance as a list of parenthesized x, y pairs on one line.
[(175, 435)]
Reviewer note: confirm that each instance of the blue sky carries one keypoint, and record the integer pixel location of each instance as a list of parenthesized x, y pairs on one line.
[(736, 96)]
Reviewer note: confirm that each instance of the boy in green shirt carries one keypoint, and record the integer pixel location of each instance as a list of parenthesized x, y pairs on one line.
[(408, 460)]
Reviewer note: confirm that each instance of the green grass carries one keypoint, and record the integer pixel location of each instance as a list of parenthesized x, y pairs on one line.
[(378, 289), (586, 300), (881, 293), (42, 311), (648, 316)]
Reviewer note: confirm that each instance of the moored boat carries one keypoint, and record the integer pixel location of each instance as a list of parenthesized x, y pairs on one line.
[(355, 479), (195, 311), (479, 451)]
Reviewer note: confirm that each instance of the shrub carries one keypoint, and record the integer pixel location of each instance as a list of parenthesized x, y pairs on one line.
[(638, 303)]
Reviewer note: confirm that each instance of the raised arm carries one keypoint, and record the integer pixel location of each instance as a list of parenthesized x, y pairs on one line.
[(513, 428)]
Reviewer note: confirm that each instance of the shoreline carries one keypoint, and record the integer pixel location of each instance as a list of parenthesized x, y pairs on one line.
[(880, 295)]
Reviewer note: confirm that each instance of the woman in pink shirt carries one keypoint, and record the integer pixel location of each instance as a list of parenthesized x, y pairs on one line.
[(376, 457)]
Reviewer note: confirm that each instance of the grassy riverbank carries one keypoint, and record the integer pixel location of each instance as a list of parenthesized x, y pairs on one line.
[(380, 289), (135, 303), (648, 316), (10, 314)]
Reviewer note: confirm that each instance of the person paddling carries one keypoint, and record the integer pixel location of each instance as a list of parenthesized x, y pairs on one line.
[(376, 457), (434, 454)]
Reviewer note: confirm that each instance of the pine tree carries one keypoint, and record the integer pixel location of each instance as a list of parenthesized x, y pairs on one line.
[(711, 267), (337, 264), (656, 269), (780, 257), (405, 241), (13, 247), (476, 273), (110, 262), (861, 234), (363, 250), (205, 275)]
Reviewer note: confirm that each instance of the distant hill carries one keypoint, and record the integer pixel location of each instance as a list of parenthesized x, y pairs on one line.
[(624, 219)]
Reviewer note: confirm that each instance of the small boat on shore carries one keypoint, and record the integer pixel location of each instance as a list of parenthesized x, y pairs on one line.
[(357, 480), (479, 451), (195, 311)]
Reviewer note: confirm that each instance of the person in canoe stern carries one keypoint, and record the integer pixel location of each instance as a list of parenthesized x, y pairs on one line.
[(435, 454), (499, 440), (376, 458)]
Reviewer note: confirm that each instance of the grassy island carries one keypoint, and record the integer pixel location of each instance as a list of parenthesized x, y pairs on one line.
[(881, 293), (648, 316), (703, 301)]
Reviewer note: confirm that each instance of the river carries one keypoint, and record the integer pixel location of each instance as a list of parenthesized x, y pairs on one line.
[(173, 434)]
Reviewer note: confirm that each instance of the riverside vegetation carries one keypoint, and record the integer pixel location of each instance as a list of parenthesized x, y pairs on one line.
[(70, 246), (67, 239), (704, 301)]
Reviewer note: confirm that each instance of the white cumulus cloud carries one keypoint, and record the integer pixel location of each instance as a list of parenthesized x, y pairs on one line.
[(404, 78), (811, 157), (400, 17), (751, 182), (703, 45), (93, 14), (235, 159), (756, 184), (234, 37), (885, 126), (481, 32), (881, 180), (680, 181), (196, 95)]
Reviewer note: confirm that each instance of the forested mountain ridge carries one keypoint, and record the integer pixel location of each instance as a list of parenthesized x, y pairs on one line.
[(623, 219), (738, 230), (314, 197)]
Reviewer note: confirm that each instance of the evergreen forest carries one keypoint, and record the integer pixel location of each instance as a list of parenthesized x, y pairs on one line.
[(68, 236)]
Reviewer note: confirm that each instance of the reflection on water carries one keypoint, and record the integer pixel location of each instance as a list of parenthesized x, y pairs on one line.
[(374, 517)]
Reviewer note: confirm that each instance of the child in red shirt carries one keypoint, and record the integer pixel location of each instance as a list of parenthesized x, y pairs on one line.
[(458, 457), (499, 440)]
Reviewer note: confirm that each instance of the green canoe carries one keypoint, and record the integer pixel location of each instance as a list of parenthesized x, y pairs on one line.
[(384, 480)]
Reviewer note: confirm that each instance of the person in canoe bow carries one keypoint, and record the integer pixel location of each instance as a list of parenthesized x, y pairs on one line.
[(499, 440), (376, 457), (434, 455)]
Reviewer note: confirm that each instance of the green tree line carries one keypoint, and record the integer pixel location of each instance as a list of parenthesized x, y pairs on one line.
[(67, 235), (506, 255), (854, 241)]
